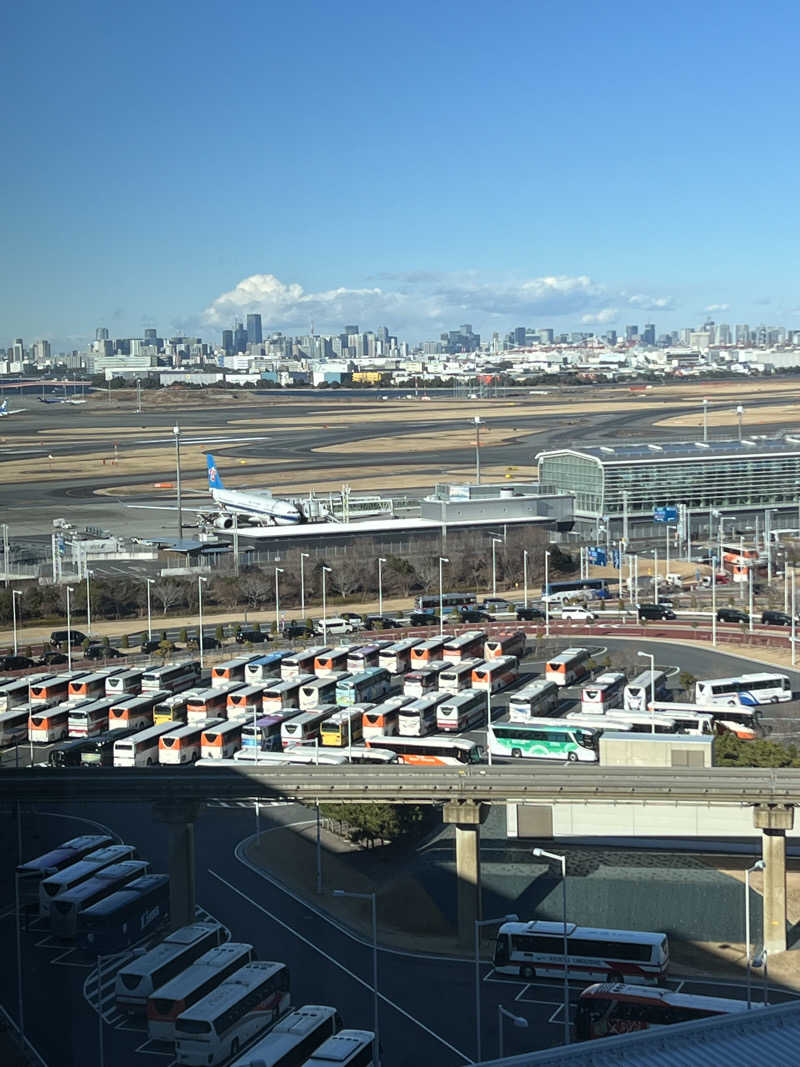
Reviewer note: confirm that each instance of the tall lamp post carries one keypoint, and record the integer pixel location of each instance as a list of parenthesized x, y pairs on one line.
[(69, 627), (652, 658), (177, 431), (303, 556), (278, 570), (14, 594), (325, 571), (757, 866), (495, 541), (517, 1020), (547, 596), (200, 580), (88, 602), (525, 574), (442, 560), (149, 582), (540, 852), (381, 562), (479, 923), (371, 898), (476, 420)]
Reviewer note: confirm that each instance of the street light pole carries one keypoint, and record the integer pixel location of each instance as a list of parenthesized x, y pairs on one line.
[(381, 562), (517, 1020), (69, 634), (652, 659), (563, 861), (442, 559), (177, 431), (325, 571), (757, 866), (370, 897), (479, 923), (200, 580), (794, 615), (303, 556), (477, 423), (149, 582), (14, 594), (495, 541), (88, 602), (547, 595), (525, 574), (714, 600), (278, 570)]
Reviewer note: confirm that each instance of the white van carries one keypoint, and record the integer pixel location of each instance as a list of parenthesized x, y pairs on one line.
[(333, 627), (578, 612)]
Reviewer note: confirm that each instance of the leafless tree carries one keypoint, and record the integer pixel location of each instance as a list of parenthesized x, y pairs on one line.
[(168, 593)]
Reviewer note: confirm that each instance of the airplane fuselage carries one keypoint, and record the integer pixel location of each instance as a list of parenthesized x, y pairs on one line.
[(257, 507)]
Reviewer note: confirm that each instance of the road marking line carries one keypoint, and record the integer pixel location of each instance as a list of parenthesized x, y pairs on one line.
[(680, 986), (554, 1017), (522, 992), (333, 960)]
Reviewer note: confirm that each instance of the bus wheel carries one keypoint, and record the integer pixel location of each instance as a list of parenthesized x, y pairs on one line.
[(527, 972), (516, 752), (572, 757)]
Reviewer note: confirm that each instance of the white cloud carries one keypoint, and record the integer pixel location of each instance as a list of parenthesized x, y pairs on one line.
[(420, 304), (716, 307), (649, 303)]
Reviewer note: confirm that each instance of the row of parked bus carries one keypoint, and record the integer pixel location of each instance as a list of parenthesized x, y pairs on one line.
[(208, 996)]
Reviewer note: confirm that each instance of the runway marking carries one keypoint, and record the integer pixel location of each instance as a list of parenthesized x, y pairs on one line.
[(341, 966), (554, 1017)]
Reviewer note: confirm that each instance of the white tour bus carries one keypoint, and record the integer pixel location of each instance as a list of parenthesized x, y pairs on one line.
[(537, 698), (127, 681), (91, 686), (266, 668), (649, 685), (138, 978), (20, 690), (244, 1005), (56, 885), (284, 694), (14, 726), (509, 645), (348, 1048), (293, 754), (90, 718), (306, 725), (568, 667), (221, 741), (749, 690), (301, 663), (423, 680), (536, 950), (231, 670), (495, 674), (67, 907), (419, 717), (606, 691), (467, 645), (383, 718), (618, 719), (458, 676), (141, 750), (293, 1038), (396, 659), (335, 659), (321, 691), (244, 703), (462, 711), (185, 743), (173, 676)]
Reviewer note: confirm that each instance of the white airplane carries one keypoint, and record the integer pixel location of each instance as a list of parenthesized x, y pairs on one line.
[(258, 507), (4, 410)]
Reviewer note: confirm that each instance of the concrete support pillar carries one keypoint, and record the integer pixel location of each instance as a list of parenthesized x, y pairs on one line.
[(180, 818), (774, 821), (467, 817)]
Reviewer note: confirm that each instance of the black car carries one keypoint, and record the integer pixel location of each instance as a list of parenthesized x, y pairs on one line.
[(776, 618), (63, 637), (15, 663), (474, 615), (52, 659), (252, 637), (208, 642), (153, 645), (295, 629), (380, 622), (732, 615), (655, 611), (102, 652), (422, 618), (529, 612)]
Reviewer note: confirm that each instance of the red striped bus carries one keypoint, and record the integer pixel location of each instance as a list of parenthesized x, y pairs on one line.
[(429, 650), (495, 674), (509, 645), (568, 667), (383, 718), (468, 645), (605, 1009), (220, 742), (135, 711)]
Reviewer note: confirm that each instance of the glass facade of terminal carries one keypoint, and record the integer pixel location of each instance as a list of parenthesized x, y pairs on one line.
[(736, 477)]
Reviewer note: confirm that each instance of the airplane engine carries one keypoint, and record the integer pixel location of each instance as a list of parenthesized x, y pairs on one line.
[(223, 522)]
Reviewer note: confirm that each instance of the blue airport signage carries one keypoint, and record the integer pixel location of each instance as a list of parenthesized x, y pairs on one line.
[(598, 556), (615, 558), (665, 514)]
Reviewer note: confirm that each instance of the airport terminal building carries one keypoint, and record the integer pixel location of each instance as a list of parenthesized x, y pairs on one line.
[(736, 480)]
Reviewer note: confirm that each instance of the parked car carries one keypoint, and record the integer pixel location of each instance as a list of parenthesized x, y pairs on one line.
[(102, 652), (496, 603), (732, 615), (63, 637), (528, 613), (333, 626), (422, 618), (352, 616), (655, 611), (52, 659), (380, 622), (295, 629), (156, 643), (252, 637), (577, 612), (15, 663), (474, 615), (208, 642), (776, 618)]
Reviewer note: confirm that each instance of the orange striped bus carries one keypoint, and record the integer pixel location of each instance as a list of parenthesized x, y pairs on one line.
[(429, 650), (495, 674), (245, 702), (468, 645), (135, 710), (509, 645), (335, 659), (49, 724), (184, 744), (220, 742), (51, 690)]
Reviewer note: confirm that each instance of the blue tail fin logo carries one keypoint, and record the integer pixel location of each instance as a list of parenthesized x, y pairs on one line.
[(214, 480), (4, 408)]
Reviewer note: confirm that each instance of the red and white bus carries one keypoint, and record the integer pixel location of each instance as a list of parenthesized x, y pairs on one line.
[(127, 681), (245, 702), (220, 742), (383, 718), (462, 711), (396, 659), (232, 670), (568, 667), (419, 717), (430, 751), (495, 674), (458, 676), (49, 724), (604, 692), (468, 645), (301, 664), (53, 690), (183, 744), (606, 1009), (536, 950), (135, 711), (509, 645), (427, 651), (285, 694), (335, 659), (210, 703), (423, 680), (91, 686), (89, 719)]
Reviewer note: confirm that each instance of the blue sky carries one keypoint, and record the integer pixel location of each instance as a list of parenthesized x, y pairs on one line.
[(421, 165)]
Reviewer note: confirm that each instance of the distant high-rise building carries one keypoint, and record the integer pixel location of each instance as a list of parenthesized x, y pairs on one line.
[(227, 341), (649, 334), (519, 336), (254, 334), (101, 334), (723, 336), (545, 335), (631, 333), (150, 336), (350, 330), (742, 334), (239, 338), (382, 333)]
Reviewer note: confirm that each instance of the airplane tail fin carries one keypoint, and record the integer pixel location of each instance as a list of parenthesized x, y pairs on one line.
[(4, 408), (214, 480)]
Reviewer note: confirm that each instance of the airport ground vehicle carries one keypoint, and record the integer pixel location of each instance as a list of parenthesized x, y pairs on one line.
[(604, 692), (462, 711), (139, 977), (54, 886), (430, 751), (419, 717), (382, 719), (141, 749), (605, 1009), (645, 687), (495, 674), (293, 1038), (170, 1000), (66, 909), (125, 916), (560, 740), (748, 690), (184, 744), (536, 949), (577, 612), (348, 1048), (243, 1005), (655, 611), (366, 687), (568, 667), (536, 698)]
